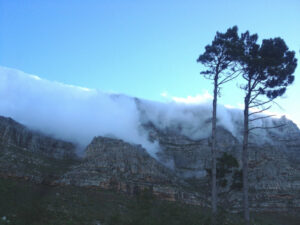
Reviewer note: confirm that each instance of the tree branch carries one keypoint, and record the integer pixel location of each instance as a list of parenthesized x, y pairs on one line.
[(260, 111), (262, 103), (266, 128), (254, 97), (229, 78), (262, 117)]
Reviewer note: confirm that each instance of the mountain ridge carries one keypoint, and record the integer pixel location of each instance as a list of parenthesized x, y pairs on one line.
[(179, 173)]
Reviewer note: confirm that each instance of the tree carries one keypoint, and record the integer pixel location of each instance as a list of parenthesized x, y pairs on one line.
[(267, 70), (219, 59), (229, 176)]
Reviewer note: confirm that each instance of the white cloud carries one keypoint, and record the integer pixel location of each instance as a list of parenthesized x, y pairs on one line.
[(199, 98), (164, 94), (230, 106), (69, 112), (35, 77)]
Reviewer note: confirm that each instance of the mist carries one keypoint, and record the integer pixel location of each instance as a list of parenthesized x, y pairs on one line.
[(78, 114)]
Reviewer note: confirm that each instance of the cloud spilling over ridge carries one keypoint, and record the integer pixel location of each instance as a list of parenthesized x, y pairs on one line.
[(191, 120), (67, 112), (78, 114)]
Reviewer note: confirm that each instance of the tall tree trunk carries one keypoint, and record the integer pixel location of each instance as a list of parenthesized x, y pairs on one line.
[(213, 151), (245, 160)]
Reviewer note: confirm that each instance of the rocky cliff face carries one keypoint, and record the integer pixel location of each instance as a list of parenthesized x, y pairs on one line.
[(15, 134), (32, 155), (273, 161), (108, 163), (110, 159), (114, 164), (178, 173)]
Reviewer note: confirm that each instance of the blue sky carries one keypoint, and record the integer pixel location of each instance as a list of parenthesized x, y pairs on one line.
[(135, 47)]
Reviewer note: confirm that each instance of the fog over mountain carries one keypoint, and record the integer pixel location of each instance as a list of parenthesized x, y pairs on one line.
[(78, 114)]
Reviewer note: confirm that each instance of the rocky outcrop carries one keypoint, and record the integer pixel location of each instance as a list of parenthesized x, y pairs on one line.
[(15, 134), (31, 155), (114, 164), (190, 157), (108, 158), (273, 162)]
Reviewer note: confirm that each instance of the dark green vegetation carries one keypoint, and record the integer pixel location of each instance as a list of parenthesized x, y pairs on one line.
[(27, 203), (228, 172)]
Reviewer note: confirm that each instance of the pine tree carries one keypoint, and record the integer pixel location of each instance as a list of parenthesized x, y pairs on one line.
[(267, 70), (219, 59)]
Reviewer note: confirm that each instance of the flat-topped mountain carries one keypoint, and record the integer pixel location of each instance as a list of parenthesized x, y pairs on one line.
[(179, 171)]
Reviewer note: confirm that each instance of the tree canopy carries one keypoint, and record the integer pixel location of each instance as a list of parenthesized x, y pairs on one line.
[(220, 55), (268, 68)]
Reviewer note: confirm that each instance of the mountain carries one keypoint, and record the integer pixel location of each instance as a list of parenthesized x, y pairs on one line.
[(30, 154), (274, 173), (178, 172), (16, 134)]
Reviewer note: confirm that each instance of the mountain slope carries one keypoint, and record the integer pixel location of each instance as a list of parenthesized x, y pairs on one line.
[(178, 173)]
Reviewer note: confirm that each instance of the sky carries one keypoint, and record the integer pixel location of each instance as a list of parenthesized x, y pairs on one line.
[(146, 49)]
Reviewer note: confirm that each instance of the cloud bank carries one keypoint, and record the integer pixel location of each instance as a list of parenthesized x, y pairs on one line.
[(67, 112), (78, 114)]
